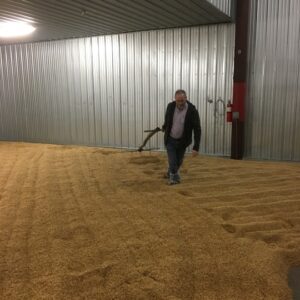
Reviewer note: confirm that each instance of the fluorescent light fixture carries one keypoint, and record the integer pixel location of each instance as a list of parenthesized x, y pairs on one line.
[(15, 29)]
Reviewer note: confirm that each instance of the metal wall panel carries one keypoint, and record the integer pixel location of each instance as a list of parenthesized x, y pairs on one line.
[(273, 101), (107, 90), (226, 6)]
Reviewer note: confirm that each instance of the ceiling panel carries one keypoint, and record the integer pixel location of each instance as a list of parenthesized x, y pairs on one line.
[(61, 19)]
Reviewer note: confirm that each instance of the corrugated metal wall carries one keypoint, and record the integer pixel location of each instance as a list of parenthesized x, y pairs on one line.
[(273, 102), (226, 6), (106, 90)]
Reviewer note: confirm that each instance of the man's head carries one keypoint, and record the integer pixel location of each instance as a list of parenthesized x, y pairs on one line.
[(180, 98)]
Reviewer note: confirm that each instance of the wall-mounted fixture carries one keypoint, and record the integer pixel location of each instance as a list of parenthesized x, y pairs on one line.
[(15, 29)]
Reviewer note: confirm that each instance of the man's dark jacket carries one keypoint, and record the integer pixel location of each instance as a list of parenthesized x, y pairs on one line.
[(192, 122)]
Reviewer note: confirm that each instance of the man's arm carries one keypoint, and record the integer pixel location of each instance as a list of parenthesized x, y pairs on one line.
[(197, 130), (163, 127)]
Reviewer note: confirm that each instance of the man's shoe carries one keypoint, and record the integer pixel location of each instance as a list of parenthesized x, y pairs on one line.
[(172, 182), (174, 179)]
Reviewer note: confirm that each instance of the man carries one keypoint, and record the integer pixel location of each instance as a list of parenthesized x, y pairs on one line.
[(181, 119)]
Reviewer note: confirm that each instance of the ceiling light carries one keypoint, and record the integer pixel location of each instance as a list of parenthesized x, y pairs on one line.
[(15, 29)]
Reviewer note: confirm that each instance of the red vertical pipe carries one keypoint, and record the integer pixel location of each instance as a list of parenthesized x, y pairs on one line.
[(239, 78)]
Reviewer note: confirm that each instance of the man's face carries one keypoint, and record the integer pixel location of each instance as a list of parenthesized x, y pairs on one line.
[(180, 100)]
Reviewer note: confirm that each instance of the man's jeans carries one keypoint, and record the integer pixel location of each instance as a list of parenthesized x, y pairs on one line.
[(175, 155)]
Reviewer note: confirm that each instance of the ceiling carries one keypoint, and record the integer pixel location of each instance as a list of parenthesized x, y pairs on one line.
[(61, 19)]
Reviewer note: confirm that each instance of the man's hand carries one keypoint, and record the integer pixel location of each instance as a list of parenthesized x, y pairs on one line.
[(194, 153)]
